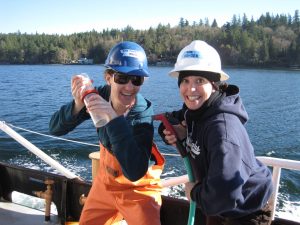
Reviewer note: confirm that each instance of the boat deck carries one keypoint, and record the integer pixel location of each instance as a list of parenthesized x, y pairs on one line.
[(15, 214)]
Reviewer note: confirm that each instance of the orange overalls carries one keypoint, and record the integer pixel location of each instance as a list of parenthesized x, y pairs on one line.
[(114, 197)]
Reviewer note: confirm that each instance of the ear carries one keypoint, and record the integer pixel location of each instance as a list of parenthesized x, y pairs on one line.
[(108, 78), (215, 86)]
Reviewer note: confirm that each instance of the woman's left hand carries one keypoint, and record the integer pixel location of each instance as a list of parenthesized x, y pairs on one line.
[(98, 105), (188, 188)]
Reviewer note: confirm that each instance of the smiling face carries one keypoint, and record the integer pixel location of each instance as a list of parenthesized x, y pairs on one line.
[(122, 95), (195, 90)]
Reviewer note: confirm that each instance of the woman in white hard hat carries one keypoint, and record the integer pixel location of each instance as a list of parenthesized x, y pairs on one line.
[(231, 184), (127, 184)]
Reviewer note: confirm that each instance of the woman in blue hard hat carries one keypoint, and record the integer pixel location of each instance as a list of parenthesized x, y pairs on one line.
[(231, 184), (127, 185)]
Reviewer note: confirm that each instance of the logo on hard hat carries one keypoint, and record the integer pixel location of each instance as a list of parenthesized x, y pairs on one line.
[(131, 53), (192, 54)]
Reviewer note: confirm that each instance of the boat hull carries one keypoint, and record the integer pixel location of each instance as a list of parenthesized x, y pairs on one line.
[(68, 192)]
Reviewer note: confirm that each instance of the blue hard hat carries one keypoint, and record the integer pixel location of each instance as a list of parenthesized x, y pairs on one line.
[(128, 58)]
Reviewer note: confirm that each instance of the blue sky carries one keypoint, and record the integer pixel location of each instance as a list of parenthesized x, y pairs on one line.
[(66, 16)]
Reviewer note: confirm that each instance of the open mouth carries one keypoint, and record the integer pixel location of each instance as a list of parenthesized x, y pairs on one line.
[(193, 97), (126, 94)]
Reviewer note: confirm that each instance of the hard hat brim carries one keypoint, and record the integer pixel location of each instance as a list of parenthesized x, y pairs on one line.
[(130, 71), (175, 72)]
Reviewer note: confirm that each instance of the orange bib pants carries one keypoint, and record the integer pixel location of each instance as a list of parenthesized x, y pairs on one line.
[(113, 197)]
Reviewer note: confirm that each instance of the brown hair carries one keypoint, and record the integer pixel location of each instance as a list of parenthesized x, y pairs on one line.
[(212, 77), (220, 86)]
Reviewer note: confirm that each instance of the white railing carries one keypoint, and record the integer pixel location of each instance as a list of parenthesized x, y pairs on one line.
[(38, 152), (277, 165)]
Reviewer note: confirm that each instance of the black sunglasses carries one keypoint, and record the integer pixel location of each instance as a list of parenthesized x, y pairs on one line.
[(121, 78)]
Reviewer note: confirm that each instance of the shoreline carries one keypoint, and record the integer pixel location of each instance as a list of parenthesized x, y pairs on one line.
[(293, 67)]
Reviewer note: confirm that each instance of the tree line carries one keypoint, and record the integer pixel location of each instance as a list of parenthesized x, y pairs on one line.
[(271, 40)]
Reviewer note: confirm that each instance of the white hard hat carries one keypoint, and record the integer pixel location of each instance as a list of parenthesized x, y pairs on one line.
[(198, 56)]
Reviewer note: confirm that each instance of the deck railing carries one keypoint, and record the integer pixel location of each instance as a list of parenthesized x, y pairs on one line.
[(277, 165), (35, 150)]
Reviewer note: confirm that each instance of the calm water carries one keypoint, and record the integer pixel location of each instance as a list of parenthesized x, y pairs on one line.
[(30, 94)]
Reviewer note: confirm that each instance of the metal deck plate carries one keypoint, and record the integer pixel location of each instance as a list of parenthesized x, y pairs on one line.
[(14, 214)]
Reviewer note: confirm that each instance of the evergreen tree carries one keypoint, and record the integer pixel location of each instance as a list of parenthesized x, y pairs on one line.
[(268, 41), (214, 24)]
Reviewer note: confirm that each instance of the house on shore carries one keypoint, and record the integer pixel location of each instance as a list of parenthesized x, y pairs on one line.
[(80, 61), (85, 61)]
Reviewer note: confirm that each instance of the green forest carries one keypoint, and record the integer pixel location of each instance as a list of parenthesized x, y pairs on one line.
[(269, 41)]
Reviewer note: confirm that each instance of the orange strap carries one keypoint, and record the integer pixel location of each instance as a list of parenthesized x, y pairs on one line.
[(158, 157)]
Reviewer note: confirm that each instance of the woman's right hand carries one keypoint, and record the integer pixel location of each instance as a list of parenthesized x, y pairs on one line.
[(76, 89), (180, 130), (170, 138)]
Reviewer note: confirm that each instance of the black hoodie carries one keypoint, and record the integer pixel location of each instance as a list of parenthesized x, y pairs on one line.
[(231, 182)]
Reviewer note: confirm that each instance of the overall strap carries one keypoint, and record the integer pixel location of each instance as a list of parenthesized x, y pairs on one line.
[(159, 159)]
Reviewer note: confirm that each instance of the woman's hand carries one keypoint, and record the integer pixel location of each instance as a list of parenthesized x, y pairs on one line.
[(76, 89), (180, 130), (98, 105), (188, 188)]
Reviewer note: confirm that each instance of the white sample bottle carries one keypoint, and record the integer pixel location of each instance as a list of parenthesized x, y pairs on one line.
[(89, 90)]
